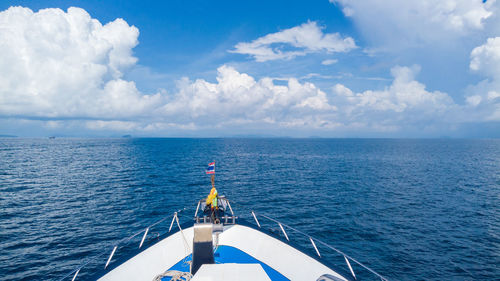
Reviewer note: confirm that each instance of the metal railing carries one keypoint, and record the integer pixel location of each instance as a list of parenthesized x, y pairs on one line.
[(347, 258), (223, 203), (124, 242), (175, 218)]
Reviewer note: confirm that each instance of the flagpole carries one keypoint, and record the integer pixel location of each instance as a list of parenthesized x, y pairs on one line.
[(213, 176)]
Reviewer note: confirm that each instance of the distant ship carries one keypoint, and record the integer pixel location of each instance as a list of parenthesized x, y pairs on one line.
[(218, 245)]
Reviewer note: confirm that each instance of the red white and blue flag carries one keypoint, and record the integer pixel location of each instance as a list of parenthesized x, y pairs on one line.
[(211, 168)]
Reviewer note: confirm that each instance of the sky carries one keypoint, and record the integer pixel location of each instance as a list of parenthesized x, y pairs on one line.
[(337, 68)]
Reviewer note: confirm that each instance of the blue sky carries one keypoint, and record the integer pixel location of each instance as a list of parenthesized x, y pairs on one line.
[(338, 68)]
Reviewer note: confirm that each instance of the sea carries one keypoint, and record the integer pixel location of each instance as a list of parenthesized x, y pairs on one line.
[(410, 209)]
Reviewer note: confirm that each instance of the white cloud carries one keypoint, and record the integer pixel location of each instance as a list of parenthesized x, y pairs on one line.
[(238, 96), (329, 62), (306, 38), (319, 76), (404, 104), (112, 125), (66, 64), (238, 100), (486, 58), (392, 23), (484, 97)]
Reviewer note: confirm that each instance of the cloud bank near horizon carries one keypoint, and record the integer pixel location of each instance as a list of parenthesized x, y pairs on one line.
[(64, 71)]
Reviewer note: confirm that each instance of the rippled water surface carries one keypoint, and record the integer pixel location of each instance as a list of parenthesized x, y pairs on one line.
[(410, 209)]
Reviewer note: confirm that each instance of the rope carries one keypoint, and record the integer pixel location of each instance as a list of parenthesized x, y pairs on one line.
[(187, 248), (182, 232), (216, 242), (175, 274)]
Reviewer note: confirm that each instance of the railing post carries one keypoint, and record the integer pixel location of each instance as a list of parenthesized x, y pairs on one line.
[(314, 245), (256, 220), (144, 237), (350, 268), (197, 207), (172, 223), (175, 218), (282, 229), (231, 209), (110, 256), (76, 273)]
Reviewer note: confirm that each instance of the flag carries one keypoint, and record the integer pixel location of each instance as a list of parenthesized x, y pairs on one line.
[(211, 168)]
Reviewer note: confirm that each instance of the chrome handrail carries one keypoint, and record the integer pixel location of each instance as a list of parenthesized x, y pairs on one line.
[(312, 239), (282, 226), (224, 202), (121, 242), (221, 200)]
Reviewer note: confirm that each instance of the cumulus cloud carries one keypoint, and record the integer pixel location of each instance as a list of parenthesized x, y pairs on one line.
[(484, 97), (417, 22), (59, 64), (404, 104), (486, 58), (240, 98), (305, 38), (66, 69)]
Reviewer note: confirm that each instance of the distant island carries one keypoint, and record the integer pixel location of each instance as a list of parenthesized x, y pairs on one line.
[(127, 136), (8, 136)]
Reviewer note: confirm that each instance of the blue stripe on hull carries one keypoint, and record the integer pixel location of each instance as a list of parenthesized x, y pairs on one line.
[(228, 254)]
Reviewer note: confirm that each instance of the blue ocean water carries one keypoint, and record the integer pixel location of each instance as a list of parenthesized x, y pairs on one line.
[(410, 209)]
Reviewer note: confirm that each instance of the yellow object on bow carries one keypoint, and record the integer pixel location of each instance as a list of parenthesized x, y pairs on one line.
[(211, 196)]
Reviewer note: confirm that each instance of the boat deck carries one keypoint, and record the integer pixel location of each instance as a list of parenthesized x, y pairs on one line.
[(243, 252), (228, 254)]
